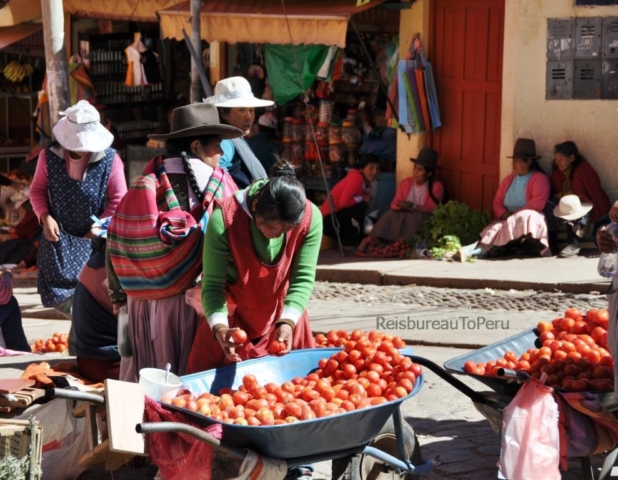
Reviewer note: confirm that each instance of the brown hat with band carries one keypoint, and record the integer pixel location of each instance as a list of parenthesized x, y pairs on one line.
[(196, 120), (427, 158), (525, 148)]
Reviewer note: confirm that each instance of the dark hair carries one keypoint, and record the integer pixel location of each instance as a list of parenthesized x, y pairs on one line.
[(283, 197), (567, 149), (367, 158), (178, 147), (431, 178), (221, 111)]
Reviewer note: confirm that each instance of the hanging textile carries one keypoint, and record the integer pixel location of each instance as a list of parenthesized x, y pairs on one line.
[(80, 84), (417, 96), (293, 69)]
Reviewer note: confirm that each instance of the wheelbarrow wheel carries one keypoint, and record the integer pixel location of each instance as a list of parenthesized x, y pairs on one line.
[(365, 467)]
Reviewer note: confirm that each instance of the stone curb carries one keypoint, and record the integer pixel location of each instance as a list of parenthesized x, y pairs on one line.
[(374, 277)]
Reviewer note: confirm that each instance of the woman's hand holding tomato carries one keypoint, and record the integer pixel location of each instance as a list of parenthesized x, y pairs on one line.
[(283, 335), (224, 337)]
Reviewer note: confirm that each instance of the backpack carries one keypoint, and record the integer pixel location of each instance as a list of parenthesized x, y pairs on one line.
[(154, 246)]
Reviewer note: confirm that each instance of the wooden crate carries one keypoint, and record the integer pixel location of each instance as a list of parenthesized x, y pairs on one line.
[(22, 438)]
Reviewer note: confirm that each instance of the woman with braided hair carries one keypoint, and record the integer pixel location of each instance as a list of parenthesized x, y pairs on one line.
[(155, 262)]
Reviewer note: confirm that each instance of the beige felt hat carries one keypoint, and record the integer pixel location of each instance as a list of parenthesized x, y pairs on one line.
[(571, 208), (235, 92)]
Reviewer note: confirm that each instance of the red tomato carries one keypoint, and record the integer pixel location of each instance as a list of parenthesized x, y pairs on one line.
[(239, 336)]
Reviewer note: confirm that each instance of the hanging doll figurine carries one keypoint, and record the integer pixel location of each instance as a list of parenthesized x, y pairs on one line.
[(136, 76)]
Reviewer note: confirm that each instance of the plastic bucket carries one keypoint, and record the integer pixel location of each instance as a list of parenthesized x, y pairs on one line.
[(153, 382)]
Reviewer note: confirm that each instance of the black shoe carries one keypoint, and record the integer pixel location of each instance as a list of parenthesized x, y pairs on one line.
[(532, 246)]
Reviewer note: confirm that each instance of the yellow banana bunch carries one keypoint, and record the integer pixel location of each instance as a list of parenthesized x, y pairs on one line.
[(16, 72)]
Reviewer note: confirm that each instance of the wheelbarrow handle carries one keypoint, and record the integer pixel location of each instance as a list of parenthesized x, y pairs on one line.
[(76, 395), (514, 374), (447, 377), (177, 427)]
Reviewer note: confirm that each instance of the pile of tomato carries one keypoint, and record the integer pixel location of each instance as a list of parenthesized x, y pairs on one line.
[(572, 353), (58, 343), (369, 370), (399, 249)]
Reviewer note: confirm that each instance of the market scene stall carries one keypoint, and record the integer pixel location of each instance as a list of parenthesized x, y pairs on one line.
[(282, 239)]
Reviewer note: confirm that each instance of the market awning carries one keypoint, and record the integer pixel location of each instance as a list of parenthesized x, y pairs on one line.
[(10, 35), (316, 22), (18, 11), (133, 10)]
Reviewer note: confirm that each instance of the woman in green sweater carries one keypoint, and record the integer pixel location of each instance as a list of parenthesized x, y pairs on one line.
[(260, 255)]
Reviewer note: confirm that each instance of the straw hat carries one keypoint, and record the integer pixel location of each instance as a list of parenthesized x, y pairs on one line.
[(195, 120), (571, 208), (427, 158), (80, 129), (235, 92)]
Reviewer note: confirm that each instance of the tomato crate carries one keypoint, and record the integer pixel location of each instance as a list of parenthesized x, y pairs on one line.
[(21, 441)]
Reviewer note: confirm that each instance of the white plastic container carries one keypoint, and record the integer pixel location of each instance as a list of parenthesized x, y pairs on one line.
[(152, 381)]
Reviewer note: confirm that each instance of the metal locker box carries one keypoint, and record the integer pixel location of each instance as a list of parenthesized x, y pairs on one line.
[(559, 38), (559, 80), (610, 37), (610, 79), (588, 33), (587, 79)]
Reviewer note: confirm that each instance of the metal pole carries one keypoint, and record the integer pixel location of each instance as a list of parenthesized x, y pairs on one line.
[(55, 57), (196, 28)]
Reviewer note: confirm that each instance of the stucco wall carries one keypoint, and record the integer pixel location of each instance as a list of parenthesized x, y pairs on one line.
[(592, 124)]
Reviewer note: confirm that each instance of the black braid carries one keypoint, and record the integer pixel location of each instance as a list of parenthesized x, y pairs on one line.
[(430, 189), (195, 186)]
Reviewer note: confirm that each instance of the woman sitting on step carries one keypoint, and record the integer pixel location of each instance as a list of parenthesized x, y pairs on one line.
[(416, 199), (518, 208)]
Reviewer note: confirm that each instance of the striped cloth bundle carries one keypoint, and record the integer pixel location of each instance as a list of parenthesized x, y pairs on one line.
[(155, 247)]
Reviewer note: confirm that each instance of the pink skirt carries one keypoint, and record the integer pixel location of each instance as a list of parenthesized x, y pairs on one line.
[(518, 225)]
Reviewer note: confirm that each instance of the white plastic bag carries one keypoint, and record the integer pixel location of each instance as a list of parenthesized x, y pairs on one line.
[(124, 339), (530, 436)]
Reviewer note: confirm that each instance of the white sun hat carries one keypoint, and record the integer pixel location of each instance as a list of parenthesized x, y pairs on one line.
[(80, 129), (235, 92), (571, 208)]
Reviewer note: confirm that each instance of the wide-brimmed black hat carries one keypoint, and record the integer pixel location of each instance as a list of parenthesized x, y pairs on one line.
[(525, 148), (427, 158), (195, 120)]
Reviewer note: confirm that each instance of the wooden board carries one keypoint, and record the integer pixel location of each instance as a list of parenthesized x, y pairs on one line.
[(10, 385), (125, 409), (24, 398)]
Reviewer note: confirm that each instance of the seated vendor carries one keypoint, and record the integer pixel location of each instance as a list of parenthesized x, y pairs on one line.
[(10, 316), (21, 249), (416, 199), (351, 196), (379, 140), (94, 322)]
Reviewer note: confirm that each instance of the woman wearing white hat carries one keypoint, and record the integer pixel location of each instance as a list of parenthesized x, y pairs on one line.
[(236, 104), (75, 178)]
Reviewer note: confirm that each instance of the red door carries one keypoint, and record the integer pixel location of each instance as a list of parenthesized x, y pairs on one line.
[(466, 53)]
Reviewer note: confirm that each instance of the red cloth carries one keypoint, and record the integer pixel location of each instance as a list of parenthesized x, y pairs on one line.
[(255, 300), (6, 290), (537, 193), (428, 206), (95, 281), (346, 193), (98, 370), (586, 185), (39, 195), (177, 455), (28, 228)]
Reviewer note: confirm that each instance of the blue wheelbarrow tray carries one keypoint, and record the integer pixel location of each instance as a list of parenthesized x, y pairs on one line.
[(328, 435)]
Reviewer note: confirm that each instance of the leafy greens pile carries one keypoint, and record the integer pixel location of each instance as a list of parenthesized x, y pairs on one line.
[(451, 226)]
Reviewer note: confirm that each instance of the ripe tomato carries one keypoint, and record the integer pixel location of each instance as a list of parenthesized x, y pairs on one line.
[(544, 327), (574, 313), (277, 346), (239, 336)]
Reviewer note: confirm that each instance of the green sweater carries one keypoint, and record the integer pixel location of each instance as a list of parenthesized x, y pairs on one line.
[(219, 268)]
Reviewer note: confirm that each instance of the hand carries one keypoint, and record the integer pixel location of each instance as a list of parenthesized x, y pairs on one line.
[(20, 266), (51, 230), (367, 198), (505, 215), (89, 234), (284, 333), (605, 241), (223, 336), (117, 306)]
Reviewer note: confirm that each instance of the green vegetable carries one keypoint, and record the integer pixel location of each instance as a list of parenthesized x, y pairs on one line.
[(451, 226), (13, 469)]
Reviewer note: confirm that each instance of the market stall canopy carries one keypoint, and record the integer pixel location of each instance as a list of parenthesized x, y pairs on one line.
[(134, 10), (316, 22), (10, 35), (18, 11)]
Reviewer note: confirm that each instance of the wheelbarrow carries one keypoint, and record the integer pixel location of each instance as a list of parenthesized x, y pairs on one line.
[(505, 386), (370, 443)]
